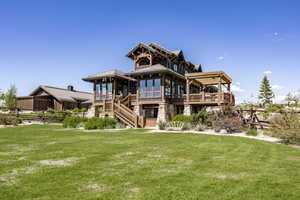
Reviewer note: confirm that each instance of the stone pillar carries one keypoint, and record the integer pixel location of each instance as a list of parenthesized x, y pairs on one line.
[(165, 112), (187, 110), (91, 112), (161, 116), (138, 109)]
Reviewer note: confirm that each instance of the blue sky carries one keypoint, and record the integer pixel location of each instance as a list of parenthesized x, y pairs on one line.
[(59, 42)]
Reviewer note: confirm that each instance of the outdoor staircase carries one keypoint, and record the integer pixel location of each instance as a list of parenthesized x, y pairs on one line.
[(126, 115)]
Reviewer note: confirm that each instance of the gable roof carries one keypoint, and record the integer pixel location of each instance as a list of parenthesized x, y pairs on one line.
[(140, 45), (62, 94), (108, 74)]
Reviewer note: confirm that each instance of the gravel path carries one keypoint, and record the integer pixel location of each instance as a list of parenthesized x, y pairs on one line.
[(211, 132)]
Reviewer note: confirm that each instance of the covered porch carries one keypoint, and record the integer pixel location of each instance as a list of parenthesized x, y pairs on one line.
[(209, 88)]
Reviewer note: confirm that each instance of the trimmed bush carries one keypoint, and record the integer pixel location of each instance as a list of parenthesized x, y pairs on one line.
[(73, 121), (182, 118), (252, 132), (100, 123)]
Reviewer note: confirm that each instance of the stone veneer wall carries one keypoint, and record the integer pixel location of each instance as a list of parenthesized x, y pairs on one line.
[(91, 112), (165, 112), (138, 109), (187, 110)]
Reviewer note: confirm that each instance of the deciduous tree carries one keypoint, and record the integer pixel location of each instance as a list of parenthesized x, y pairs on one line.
[(10, 97)]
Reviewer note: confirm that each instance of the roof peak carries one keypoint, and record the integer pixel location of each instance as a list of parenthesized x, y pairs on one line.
[(53, 87)]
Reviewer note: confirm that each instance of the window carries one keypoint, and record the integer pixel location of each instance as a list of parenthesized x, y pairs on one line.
[(167, 87), (150, 88), (103, 91)]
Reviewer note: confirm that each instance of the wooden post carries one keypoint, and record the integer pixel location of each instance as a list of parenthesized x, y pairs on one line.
[(162, 88), (188, 91), (219, 89), (137, 92)]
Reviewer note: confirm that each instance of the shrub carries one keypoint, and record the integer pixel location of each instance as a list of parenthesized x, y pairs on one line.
[(176, 125), (50, 110), (100, 123), (120, 125), (76, 110), (73, 121), (16, 121), (83, 110), (4, 120), (162, 125), (252, 132), (200, 117), (228, 120), (285, 126), (182, 118), (200, 127)]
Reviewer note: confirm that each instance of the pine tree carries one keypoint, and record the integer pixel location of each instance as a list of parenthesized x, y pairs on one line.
[(266, 94), (289, 98)]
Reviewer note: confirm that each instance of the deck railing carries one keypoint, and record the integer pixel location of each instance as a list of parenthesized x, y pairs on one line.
[(202, 97), (210, 98)]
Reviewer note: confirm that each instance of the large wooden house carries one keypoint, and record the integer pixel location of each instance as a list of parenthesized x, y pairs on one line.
[(161, 85)]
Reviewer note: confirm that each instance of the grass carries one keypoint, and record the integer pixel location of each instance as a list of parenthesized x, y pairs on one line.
[(47, 162)]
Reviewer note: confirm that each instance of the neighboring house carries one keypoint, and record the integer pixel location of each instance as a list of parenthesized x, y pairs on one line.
[(161, 85), (45, 97)]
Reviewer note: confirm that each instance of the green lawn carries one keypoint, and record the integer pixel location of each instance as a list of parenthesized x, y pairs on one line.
[(48, 162)]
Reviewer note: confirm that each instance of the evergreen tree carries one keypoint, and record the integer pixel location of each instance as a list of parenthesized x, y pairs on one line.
[(266, 94), (289, 98), (10, 97)]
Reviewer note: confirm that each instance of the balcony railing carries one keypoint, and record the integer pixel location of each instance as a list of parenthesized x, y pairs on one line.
[(199, 98), (210, 98)]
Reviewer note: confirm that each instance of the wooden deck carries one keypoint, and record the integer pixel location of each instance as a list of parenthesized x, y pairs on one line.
[(202, 98)]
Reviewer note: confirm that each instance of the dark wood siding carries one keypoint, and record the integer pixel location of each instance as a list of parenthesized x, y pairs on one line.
[(42, 103), (25, 103)]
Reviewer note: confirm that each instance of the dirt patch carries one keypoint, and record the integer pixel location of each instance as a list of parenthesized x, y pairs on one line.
[(132, 192), (228, 176), (9, 179), (96, 187), (120, 155), (63, 163)]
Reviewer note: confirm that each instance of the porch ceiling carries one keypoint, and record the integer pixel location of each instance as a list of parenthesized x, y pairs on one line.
[(210, 78)]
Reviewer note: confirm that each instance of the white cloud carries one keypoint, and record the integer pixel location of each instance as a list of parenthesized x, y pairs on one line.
[(236, 88), (276, 33), (221, 58), (277, 87), (267, 72), (238, 83), (279, 99)]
